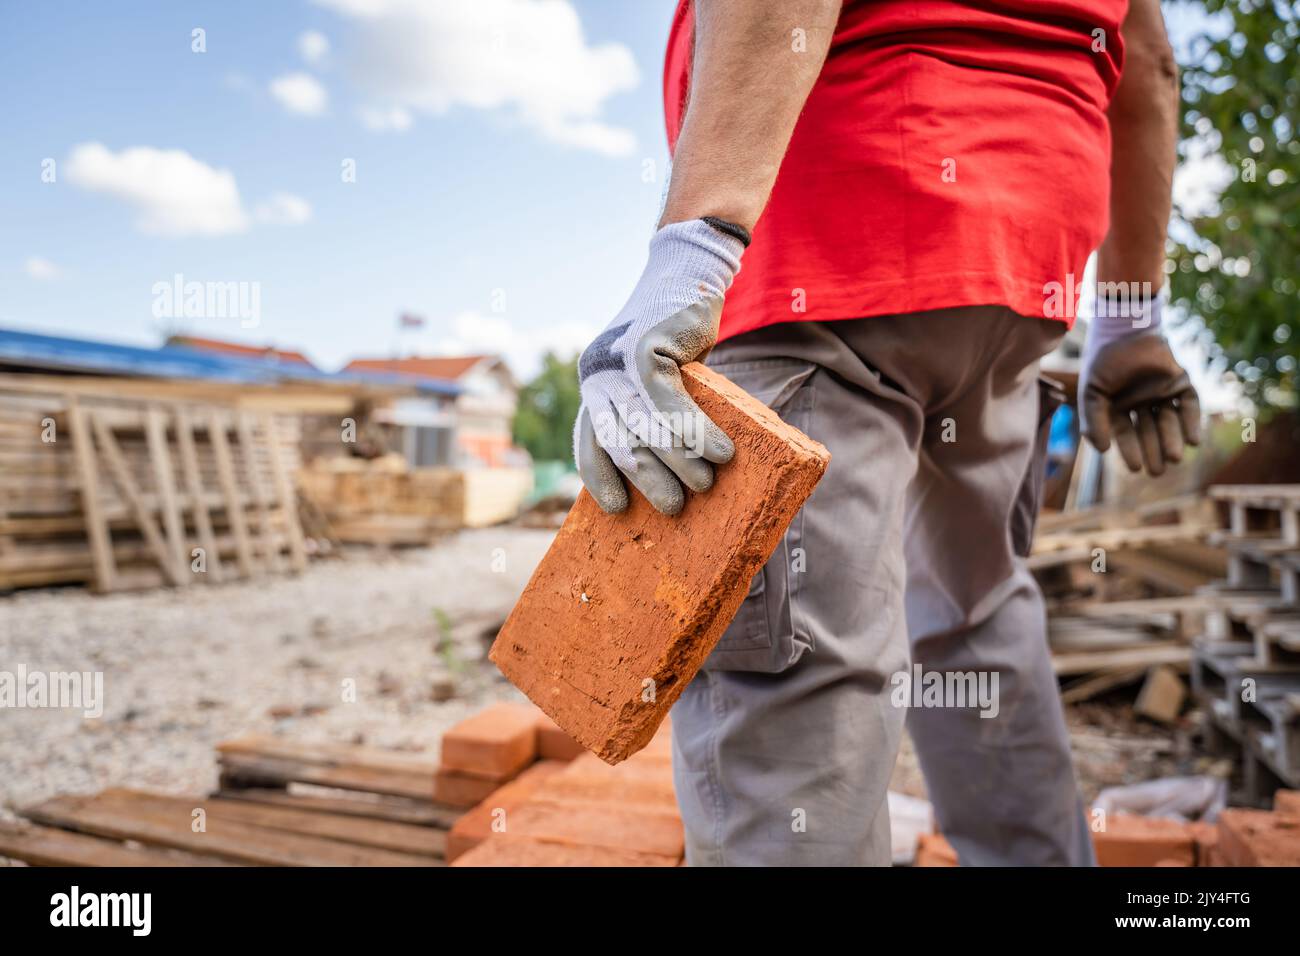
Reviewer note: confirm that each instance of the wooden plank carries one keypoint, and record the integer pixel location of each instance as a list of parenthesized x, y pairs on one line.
[(273, 771), (382, 834), (194, 489), (122, 477), (1089, 661), (48, 846), (123, 816), (229, 488), (284, 492), (160, 457), (266, 538), (101, 548), (330, 754), (417, 812)]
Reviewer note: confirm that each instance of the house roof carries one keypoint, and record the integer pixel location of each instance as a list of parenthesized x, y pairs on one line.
[(235, 348), (446, 367), (29, 350)]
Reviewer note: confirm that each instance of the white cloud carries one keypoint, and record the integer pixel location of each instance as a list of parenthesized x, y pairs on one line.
[(300, 93), (314, 47), (395, 119), (283, 209), (42, 269), (526, 58), (472, 333), (173, 193)]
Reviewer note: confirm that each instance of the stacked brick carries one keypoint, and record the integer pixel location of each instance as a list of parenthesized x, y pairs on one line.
[(1240, 837), (485, 752), (547, 802), (580, 813)]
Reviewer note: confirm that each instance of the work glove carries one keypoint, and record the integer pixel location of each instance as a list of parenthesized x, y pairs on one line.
[(1132, 388), (636, 418)]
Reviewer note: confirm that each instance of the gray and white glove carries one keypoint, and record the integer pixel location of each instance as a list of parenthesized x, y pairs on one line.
[(636, 417), (1132, 389)]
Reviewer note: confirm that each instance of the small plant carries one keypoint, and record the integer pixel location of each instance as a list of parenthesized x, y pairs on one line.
[(446, 646)]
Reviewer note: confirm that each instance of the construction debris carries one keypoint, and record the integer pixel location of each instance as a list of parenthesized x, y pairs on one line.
[(624, 608)]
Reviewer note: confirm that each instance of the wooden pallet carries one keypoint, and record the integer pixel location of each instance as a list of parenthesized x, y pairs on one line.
[(1262, 537), (121, 492), (1263, 728), (273, 809)]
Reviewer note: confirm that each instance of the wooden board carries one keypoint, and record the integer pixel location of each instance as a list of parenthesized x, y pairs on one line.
[(424, 813), (262, 760), (168, 822), (37, 845)]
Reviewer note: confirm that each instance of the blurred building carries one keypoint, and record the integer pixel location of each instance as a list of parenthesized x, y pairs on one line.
[(477, 433)]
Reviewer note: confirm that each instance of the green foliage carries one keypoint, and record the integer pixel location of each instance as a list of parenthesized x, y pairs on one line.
[(548, 407), (1237, 268)]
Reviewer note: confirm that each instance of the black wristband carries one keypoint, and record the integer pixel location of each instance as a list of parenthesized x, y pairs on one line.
[(730, 229)]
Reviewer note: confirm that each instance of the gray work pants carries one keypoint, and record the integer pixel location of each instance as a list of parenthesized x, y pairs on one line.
[(904, 559)]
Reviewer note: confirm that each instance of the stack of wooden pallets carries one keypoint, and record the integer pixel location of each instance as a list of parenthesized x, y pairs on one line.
[(1246, 667), (123, 492)]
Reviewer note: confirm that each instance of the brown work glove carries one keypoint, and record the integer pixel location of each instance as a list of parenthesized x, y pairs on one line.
[(1134, 390)]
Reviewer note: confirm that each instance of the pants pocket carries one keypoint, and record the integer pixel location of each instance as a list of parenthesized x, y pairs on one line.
[(1024, 516), (762, 636)]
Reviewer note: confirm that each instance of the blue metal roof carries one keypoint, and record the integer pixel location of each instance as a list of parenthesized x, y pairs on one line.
[(177, 361)]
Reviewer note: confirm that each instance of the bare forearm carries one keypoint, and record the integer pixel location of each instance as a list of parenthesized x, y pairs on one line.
[(751, 76), (1144, 133)]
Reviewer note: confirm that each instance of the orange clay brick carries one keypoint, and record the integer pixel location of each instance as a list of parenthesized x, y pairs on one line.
[(1258, 838), (515, 851), (476, 825), (1132, 840), (933, 850), (1204, 838), (623, 610), (616, 828), (457, 789), (553, 743), (497, 742), (631, 792), (1287, 803)]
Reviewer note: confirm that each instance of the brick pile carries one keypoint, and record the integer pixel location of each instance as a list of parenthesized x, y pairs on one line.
[(1240, 837), (484, 752), (576, 812), (550, 803)]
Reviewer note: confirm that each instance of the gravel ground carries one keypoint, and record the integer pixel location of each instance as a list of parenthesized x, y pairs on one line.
[(185, 670)]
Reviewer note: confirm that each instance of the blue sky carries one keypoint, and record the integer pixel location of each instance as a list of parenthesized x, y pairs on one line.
[(506, 200), (513, 223)]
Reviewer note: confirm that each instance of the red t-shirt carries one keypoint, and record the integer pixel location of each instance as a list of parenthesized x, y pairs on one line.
[(949, 154)]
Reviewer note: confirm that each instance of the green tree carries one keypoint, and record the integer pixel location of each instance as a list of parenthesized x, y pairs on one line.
[(548, 407), (1236, 267)]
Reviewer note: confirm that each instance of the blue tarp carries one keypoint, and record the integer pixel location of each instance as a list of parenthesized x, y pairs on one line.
[(178, 361)]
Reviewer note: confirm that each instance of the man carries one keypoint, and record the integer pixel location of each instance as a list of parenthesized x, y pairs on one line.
[(938, 174)]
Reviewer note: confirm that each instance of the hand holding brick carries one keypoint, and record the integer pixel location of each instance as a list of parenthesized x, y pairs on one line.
[(624, 608)]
